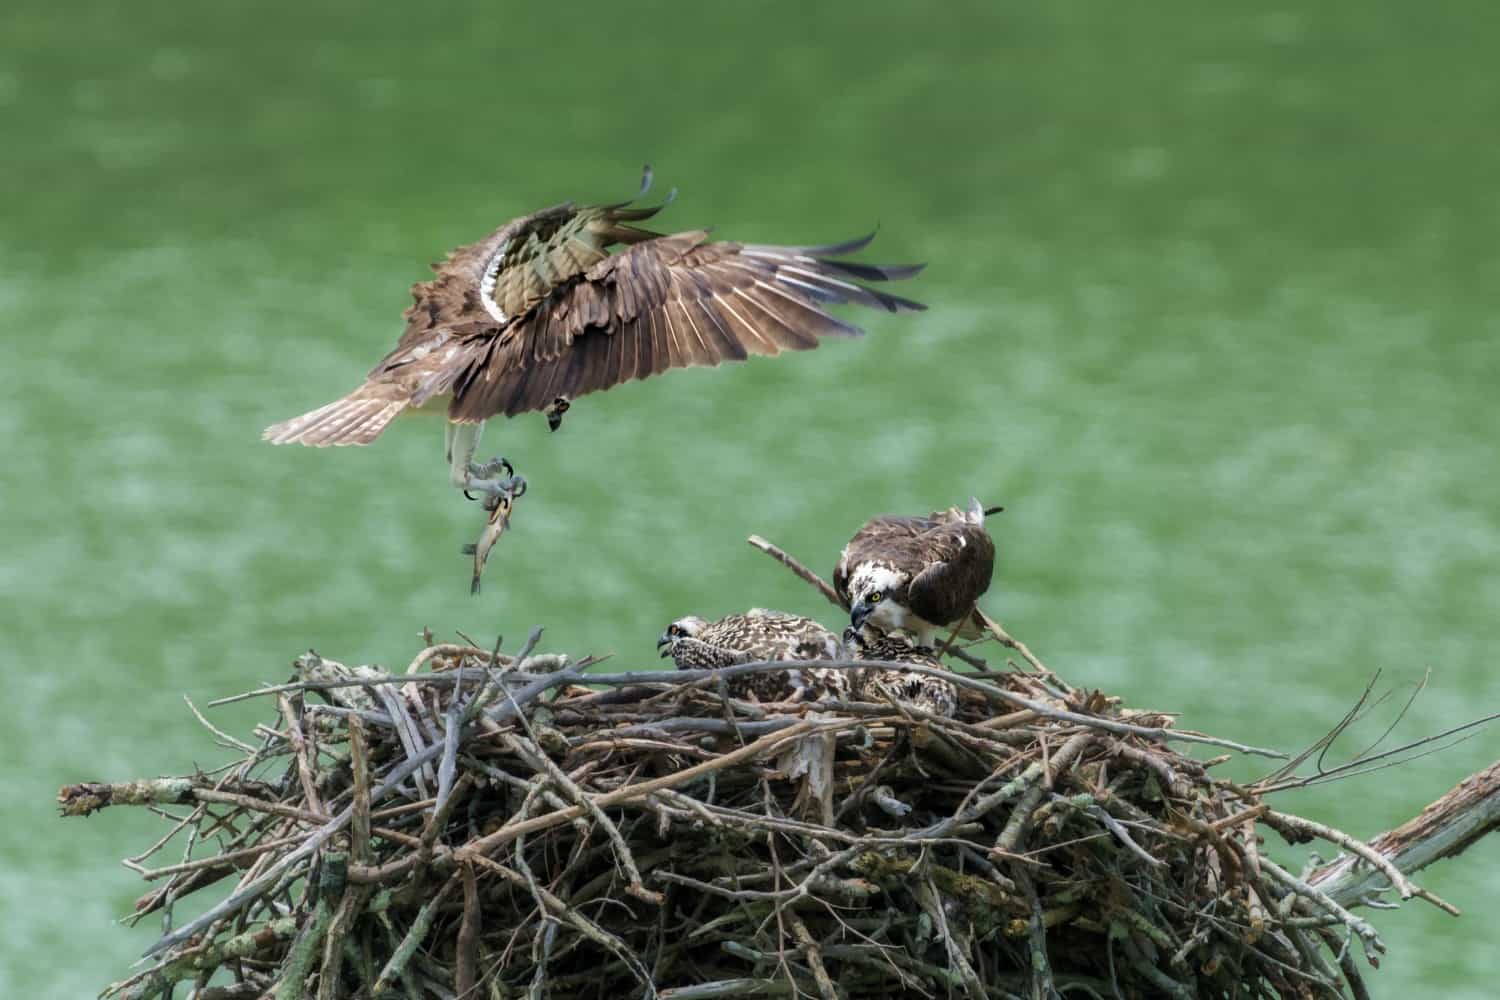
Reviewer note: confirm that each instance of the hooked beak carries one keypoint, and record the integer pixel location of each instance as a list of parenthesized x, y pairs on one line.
[(858, 614), (665, 645)]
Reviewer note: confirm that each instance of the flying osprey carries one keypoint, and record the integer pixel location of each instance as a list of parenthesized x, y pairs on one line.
[(923, 691), (541, 312), (920, 574), (694, 643)]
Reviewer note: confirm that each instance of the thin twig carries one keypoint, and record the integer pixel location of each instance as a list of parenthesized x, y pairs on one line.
[(796, 567)]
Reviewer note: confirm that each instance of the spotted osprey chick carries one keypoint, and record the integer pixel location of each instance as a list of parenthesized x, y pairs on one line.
[(931, 694), (920, 574), (695, 643)]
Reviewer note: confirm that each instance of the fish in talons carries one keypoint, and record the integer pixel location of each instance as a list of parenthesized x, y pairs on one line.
[(499, 507)]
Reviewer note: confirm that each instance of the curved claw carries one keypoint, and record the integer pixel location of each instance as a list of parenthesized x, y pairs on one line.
[(518, 487)]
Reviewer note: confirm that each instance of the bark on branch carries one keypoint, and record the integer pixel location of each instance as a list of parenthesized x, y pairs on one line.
[(1445, 829)]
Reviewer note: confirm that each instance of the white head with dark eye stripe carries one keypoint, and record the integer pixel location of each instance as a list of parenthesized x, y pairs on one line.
[(878, 597), (683, 628)]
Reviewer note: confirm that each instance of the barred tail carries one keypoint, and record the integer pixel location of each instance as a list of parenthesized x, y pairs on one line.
[(358, 418)]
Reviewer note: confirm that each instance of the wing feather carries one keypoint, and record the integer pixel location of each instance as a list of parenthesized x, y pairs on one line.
[(725, 346), (767, 323), (635, 348), (802, 317), (745, 333), (608, 371), (961, 560), (676, 351)]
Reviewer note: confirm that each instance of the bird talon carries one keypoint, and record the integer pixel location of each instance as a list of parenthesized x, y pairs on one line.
[(490, 468), (489, 489)]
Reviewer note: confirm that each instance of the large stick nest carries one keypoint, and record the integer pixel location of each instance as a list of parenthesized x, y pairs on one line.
[(488, 826)]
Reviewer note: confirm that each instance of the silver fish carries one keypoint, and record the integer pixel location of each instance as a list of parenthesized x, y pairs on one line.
[(499, 507)]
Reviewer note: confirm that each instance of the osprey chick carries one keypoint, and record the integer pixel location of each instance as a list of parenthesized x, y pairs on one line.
[(920, 574), (932, 694), (545, 310), (695, 643)]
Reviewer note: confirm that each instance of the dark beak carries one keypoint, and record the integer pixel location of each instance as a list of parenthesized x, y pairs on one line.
[(665, 645), (858, 614)]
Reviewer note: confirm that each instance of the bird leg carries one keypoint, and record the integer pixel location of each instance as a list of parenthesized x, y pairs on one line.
[(471, 477), (482, 479)]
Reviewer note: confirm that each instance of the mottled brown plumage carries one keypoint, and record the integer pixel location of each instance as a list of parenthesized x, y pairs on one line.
[(916, 573), (931, 694), (697, 644), (542, 310)]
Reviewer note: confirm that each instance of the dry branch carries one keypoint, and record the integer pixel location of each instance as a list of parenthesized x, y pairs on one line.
[(1445, 829)]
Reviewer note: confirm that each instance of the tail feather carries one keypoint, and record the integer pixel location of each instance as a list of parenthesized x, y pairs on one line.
[(351, 420)]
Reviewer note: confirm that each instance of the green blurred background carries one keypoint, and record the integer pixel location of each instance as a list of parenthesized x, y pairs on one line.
[(1213, 313)]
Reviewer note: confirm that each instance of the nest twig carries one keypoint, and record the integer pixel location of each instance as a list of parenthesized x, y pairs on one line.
[(487, 825)]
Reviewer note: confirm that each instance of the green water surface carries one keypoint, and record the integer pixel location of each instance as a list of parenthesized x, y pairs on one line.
[(1213, 314)]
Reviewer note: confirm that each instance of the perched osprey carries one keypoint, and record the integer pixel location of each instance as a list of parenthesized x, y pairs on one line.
[(697, 644), (541, 312), (920, 574), (923, 691)]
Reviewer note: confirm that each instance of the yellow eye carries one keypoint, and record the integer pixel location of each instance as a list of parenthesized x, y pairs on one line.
[(674, 630), (875, 598)]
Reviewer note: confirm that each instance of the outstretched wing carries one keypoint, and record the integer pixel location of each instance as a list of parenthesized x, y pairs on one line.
[(671, 302), (960, 560), (478, 291), (541, 309)]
